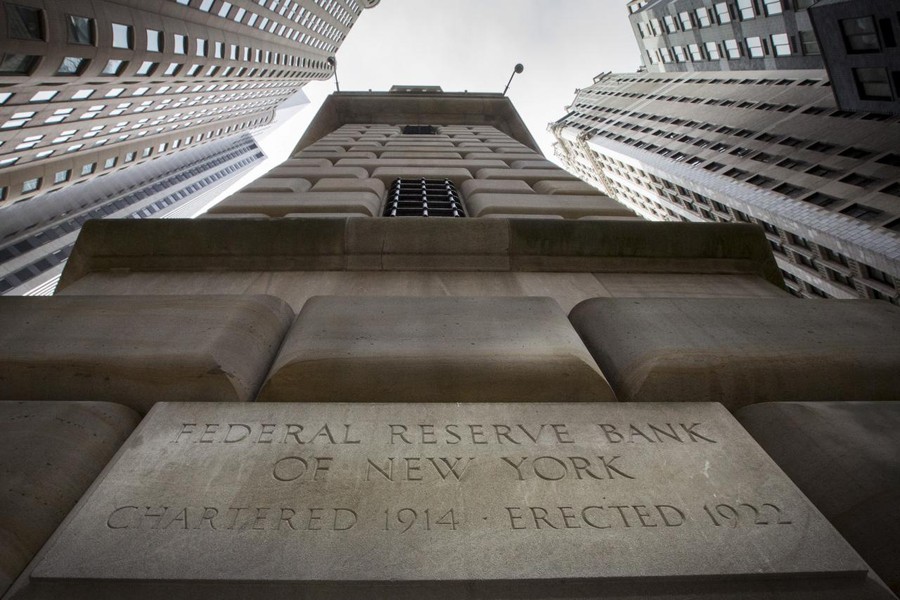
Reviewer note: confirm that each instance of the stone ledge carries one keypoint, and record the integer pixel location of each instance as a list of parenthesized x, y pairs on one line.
[(333, 244), (406, 349), (855, 444), (742, 351), (50, 453), (139, 350)]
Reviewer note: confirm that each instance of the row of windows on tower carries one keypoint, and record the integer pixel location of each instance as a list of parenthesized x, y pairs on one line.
[(29, 23), (721, 13), (778, 44)]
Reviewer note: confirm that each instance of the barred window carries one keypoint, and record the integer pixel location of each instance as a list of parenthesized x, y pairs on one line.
[(423, 198)]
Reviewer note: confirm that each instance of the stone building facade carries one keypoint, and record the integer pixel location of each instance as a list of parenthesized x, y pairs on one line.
[(767, 147), (519, 390), (93, 87)]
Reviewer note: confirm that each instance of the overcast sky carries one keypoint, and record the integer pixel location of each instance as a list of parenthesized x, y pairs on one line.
[(474, 44)]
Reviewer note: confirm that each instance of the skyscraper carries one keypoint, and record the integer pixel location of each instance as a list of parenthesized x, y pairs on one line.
[(93, 87), (418, 360), (759, 147)]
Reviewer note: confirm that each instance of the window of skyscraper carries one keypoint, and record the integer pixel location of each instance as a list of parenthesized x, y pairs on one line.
[(31, 185), (703, 18), (872, 83), (860, 35), (672, 25), (205, 5), (81, 30), (24, 22), (154, 40), (82, 94), (746, 9), (17, 64), (755, 47), (123, 36), (732, 49), (808, 43), (147, 67), (773, 7), (695, 52), (72, 65), (62, 176), (781, 44), (712, 50), (181, 44), (723, 13), (114, 67), (44, 96)]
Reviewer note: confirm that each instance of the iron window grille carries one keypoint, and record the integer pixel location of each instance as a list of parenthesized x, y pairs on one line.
[(423, 198)]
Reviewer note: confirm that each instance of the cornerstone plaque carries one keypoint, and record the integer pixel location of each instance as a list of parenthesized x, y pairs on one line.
[(204, 495)]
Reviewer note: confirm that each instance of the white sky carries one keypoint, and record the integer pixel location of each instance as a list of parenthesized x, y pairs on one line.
[(474, 44)]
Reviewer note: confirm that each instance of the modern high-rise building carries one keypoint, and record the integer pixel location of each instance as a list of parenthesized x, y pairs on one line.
[(36, 238), (768, 147), (419, 361), (724, 35), (90, 87)]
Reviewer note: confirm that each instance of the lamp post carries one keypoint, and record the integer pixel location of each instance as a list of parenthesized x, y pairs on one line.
[(518, 69), (333, 62)]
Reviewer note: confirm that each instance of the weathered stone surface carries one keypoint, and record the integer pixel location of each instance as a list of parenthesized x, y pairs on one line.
[(279, 205), (529, 176), (139, 350), (388, 174), (445, 501), (579, 188), (407, 349), (845, 456), (495, 186), (278, 185), (50, 452), (569, 207), (744, 351), (376, 186)]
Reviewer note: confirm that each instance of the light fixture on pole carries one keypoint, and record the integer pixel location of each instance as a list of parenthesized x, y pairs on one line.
[(333, 62), (518, 69)]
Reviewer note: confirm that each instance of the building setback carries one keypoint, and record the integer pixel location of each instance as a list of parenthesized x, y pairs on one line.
[(418, 360), (760, 147), (91, 87)]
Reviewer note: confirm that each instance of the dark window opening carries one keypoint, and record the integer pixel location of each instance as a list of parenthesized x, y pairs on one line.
[(423, 198), (419, 130)]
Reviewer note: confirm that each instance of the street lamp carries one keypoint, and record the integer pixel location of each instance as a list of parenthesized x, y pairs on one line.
[(333, 62), (518, 69)]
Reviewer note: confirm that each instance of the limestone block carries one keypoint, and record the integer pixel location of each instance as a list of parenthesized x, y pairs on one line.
[(744, 351), (529, 176), (278, 205), (520, 216), (845, 456), (508, 158), (532, 164), (389, 174), (278, 185), (420, 155), (430, 164), (376, 186), (359, 154), (568, 207), (307, 162), (633, 217), (235, 215), (578, 188), (328, 501), (326, 215), (331, 155), (50, 453), (139, 350), (405, 349), (313, 174), (411, 243), (495, 186)]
